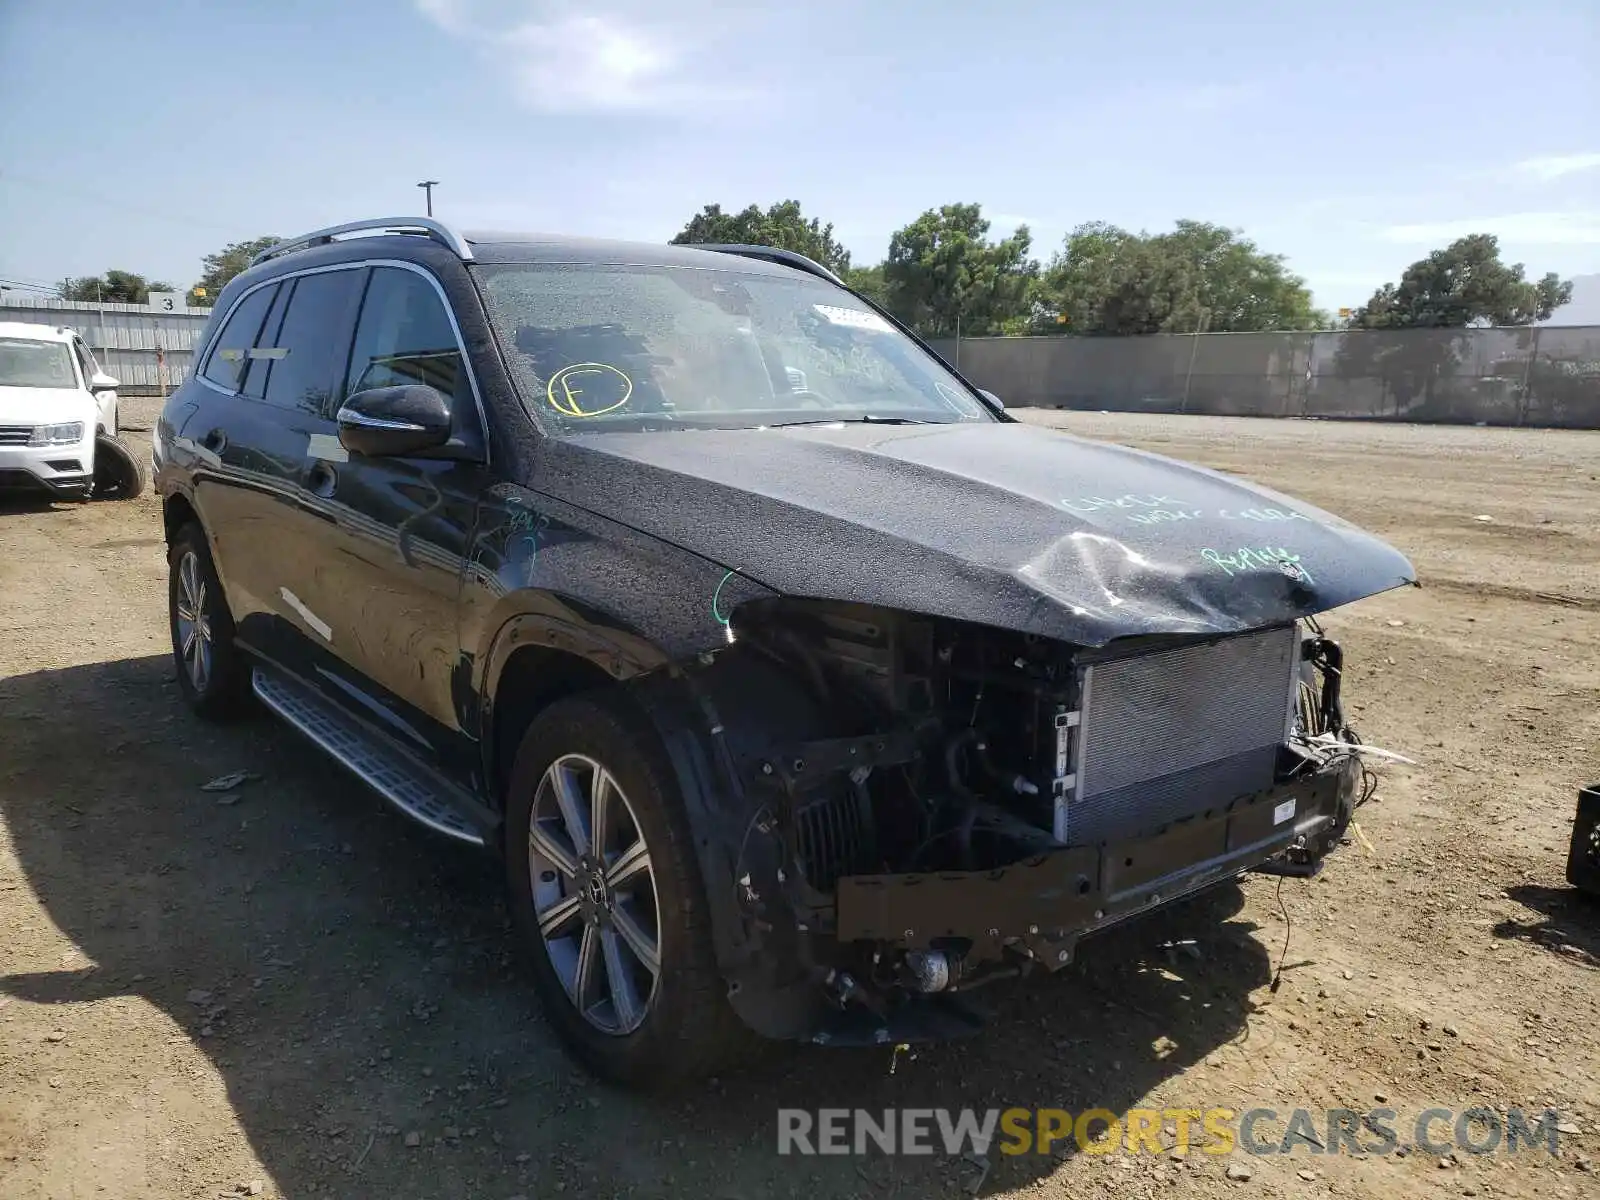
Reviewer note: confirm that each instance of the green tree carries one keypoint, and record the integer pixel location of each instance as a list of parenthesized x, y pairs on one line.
[(1107, 280), (222, 266), (943, 274), (782, 226), (869, 282), (114, 287), (1463, 284)]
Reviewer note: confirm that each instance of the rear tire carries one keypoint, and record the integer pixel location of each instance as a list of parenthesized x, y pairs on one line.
[(118, 473), (673, 1023), (212, 673)]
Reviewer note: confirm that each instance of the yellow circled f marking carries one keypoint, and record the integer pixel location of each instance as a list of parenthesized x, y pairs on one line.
[(567, 380)]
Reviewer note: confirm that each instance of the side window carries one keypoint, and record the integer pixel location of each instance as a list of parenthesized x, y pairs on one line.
[(301, 366), (230, 357), (255, 384), (404, 336)]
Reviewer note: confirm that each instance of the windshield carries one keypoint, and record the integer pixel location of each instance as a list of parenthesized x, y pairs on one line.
[(663, 347), (25, 362)]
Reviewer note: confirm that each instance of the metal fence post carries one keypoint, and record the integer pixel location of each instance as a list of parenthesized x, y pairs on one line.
[(1194, 348), (1288, 383), (1527, 379)]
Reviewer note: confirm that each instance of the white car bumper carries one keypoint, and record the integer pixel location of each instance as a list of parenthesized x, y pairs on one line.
[(65, 470)]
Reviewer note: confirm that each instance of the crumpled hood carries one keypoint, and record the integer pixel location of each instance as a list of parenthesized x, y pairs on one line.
[(1005, 524), (44, 406)]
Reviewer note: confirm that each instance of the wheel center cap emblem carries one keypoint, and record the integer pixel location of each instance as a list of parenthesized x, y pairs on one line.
[(597, 889)]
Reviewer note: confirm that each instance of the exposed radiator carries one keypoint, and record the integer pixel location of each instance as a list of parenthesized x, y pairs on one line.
[(1171, 733)]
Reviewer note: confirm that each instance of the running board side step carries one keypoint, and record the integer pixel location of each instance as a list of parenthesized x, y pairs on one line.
[(405, 783)]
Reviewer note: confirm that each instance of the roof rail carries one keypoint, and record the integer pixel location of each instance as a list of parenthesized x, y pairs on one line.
[(424, 226), (787, 258)]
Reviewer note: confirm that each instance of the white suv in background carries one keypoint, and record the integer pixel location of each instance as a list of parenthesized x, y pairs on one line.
[(58, 414)]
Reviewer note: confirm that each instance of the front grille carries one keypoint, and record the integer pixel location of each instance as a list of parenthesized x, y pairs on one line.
[(1171, 733), (15, 435)]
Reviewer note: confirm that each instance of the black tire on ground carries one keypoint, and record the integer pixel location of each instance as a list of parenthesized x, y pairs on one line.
[(222, 690), (689, 1029), (118, 473)]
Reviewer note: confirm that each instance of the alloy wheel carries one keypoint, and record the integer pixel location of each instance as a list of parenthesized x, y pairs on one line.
[(194, 622), (594, 894)]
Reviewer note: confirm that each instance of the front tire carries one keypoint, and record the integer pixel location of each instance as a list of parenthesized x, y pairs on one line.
[(213, 675), (606, 894), (118, 473)]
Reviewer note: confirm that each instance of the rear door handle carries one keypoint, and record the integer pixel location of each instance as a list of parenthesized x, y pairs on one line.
[(321, 479)]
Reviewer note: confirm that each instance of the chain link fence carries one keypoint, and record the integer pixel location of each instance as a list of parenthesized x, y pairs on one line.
[(1546, 376)]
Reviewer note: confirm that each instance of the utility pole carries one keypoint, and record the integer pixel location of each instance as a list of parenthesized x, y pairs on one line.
[(99, 299), (427, 185)]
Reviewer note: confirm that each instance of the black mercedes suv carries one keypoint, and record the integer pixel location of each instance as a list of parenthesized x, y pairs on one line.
[(796, 688)]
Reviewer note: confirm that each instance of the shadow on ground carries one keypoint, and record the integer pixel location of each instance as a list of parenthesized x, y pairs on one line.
[(1571, 924), (26, 500), (353, 981)]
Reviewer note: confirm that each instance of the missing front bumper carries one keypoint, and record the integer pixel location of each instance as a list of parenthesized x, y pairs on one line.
[(1042, 905)]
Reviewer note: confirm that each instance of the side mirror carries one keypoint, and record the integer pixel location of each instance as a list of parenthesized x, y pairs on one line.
[(992, 398), (391, 422), (101, 382)]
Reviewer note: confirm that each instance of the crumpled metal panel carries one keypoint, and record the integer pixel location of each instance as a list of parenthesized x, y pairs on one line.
[(1003, 524)]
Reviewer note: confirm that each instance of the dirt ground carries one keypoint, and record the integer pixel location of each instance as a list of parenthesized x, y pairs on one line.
[(287, 990)]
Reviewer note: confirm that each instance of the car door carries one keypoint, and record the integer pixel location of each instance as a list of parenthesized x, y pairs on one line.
[(296, 369), (390, 584), (243, 462)]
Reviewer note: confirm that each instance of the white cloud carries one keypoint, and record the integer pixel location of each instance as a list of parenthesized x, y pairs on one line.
[(587, 63), (1532, 228), (449, 15), (1555, 166), (559, 58)]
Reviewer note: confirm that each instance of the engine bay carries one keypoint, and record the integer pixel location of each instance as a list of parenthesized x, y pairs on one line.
[(936, 756), (997, 722)]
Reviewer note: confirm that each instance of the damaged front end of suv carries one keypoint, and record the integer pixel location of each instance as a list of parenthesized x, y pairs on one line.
[(950, 722), (911, 807)]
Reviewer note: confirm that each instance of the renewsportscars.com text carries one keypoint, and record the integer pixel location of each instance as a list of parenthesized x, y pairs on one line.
[(1013, 1131)]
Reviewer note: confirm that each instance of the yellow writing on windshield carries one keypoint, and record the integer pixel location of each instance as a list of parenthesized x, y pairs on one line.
[(588, 389)]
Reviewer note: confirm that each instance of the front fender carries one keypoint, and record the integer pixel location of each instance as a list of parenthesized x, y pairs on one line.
[(717, 723), (540, 564), (543, 573)]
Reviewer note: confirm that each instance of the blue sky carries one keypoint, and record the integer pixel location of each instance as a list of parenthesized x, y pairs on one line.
[(1352, 138)]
